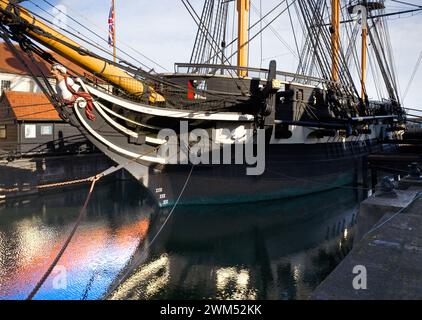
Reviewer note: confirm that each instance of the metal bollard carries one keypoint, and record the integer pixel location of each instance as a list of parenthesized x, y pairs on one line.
[(414, 171), (387, 188)]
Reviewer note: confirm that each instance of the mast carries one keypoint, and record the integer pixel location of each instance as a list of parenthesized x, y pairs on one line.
[(363, 8), (364, 52), (74, 52), (243, 26), (335, 39)]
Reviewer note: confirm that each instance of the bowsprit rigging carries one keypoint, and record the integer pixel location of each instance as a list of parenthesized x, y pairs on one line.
[(324, 109)]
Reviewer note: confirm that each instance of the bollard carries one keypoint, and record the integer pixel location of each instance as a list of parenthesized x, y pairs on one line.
[(414, 171), (387, 188)]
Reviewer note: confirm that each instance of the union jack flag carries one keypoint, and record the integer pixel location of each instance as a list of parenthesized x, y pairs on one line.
[(111, 25)]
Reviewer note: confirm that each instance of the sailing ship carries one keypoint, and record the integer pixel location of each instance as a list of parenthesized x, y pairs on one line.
[(319, 122)]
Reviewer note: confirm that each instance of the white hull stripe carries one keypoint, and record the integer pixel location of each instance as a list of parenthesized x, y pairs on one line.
[(118, 126), (123, 129), (115, 148), (171, 113)]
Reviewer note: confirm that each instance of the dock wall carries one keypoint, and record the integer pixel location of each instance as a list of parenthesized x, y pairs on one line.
[(386, 261)]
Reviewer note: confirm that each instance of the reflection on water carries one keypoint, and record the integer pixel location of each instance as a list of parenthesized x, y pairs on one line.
[(272, 250), (33, 231)]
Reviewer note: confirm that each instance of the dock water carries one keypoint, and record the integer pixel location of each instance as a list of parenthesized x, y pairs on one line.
[(23, 177)]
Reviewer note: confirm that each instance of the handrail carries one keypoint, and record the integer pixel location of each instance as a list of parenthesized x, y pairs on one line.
[(222, 67)]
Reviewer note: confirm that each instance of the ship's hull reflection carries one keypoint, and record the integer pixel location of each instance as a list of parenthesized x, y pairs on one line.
[(269, 250)]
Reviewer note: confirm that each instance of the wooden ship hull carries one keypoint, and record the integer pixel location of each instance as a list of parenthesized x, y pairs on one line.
[(309, 161), (318, 130)]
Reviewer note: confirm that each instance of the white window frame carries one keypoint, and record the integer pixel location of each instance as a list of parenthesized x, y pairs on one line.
[(45, 127), (30, 131), (3, 128)]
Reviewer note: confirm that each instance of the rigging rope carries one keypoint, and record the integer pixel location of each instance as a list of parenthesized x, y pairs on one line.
[(274, 31), (233, 53), (294, 36), (78, 35), (412, 77), (212, 43), (268, 25), (407, 3), (104, 39), (135, 71), (129, 69)]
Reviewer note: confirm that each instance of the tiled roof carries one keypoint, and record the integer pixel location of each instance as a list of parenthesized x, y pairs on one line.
[(10, 64), (29, 106)]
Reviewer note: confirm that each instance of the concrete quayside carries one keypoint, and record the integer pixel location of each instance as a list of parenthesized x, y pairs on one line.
[(386, 261)]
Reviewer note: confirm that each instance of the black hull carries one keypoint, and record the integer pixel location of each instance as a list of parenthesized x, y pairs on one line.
[(291, 171)]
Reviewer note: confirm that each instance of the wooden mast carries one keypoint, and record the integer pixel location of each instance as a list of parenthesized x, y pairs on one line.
[(243, 26), (72, 51), (335, 39)]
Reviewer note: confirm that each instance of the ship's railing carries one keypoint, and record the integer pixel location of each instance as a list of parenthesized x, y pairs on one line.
[(176, 96), (216, 69)]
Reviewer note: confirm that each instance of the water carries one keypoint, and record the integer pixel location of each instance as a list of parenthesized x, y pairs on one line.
[(272, 250), (33, 231)]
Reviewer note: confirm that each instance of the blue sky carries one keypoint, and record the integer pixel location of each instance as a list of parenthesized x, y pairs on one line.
[(164, 31)]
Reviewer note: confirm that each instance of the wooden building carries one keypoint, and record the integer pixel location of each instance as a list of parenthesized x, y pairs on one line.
[(29, 125)]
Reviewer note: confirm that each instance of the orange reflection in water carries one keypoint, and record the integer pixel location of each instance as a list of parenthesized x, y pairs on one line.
[(92, 244)]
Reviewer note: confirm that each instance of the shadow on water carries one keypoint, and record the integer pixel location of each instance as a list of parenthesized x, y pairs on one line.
[(272, 250)]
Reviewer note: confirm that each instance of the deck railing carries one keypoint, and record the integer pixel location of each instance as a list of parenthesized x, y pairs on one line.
[(215, 69)]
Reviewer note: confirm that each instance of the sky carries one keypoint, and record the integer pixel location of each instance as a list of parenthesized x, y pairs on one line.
[(163, 31)]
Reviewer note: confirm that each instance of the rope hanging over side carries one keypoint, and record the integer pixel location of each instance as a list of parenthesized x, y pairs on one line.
[(93, 180), (67, 242)]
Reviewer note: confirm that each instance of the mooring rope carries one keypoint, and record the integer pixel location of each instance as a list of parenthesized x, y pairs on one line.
[(53, 185), (383, 223), (66, 244), (139, 259), (93, 180)]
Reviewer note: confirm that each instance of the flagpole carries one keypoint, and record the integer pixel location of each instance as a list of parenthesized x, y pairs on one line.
[(114, 33)]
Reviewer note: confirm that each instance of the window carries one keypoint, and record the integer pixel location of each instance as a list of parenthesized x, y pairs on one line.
[(5, 86), (3, 131), (30, 131), (47, 130)]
